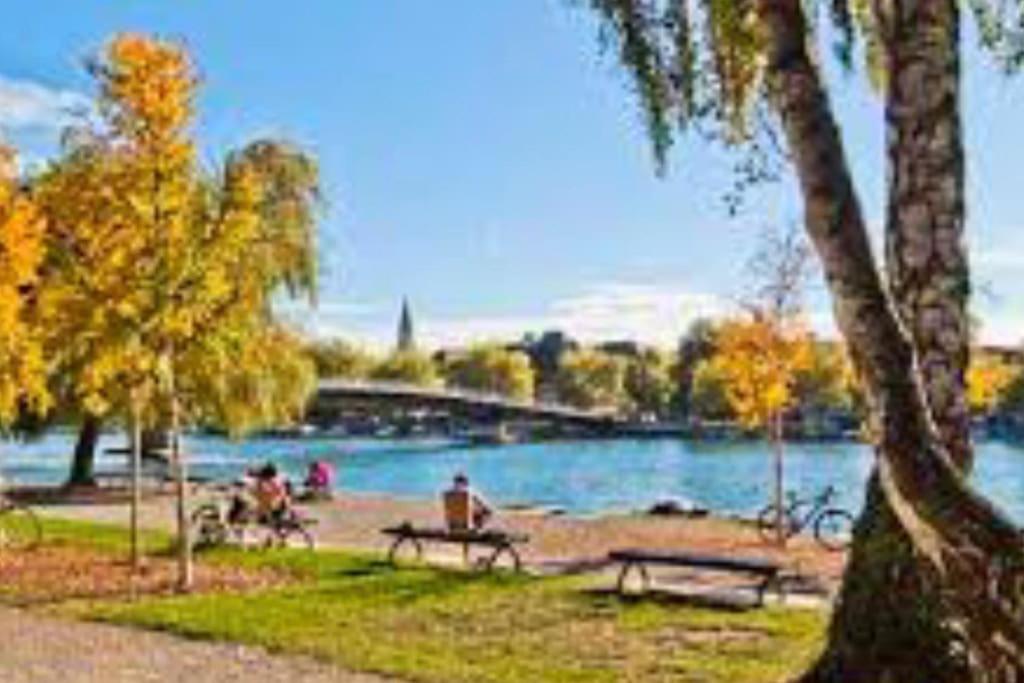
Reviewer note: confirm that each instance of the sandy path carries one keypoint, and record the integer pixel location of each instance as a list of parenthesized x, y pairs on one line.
[(355, 520)]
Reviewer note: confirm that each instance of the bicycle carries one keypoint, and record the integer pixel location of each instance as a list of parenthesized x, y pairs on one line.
[(832, 526), (220, 522), (20, 528)]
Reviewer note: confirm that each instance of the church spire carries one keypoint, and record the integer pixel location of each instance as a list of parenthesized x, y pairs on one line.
[(406, 339)]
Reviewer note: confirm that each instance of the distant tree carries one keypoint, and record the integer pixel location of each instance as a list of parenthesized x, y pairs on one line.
[(760, 363), (827, 381), (340, 359), (708, 397), (492, 369), (591, 379), (990, 380), (695, 347), (410, 367), (649, 383), (546, 354)]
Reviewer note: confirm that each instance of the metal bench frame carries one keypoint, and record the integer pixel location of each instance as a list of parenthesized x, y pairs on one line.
[(502, 543), (770, 572)]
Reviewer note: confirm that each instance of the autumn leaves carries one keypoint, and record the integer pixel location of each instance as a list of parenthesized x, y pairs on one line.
[(132, 269)]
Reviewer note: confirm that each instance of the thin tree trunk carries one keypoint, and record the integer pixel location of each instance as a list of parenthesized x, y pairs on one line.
[(976, 551), (136, 486), (185, 578), (83, 462), (781, 518), (928, 276)]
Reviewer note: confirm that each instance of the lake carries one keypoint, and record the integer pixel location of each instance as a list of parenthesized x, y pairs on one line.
[(580, 477)]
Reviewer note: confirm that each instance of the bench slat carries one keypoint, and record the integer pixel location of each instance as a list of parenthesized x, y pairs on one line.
[(699, 560), (488, 537)]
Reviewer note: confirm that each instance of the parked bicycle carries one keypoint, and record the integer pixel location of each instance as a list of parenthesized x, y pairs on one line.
[(832, 526), (234, 519), (20, 528)]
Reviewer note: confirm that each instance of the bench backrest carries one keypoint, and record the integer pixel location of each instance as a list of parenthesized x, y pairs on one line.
[(458, 510)]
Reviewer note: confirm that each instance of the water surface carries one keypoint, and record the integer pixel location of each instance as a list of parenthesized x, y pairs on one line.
[(584, 477)]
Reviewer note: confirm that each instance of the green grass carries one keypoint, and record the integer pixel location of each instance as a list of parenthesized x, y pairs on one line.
[(102, 537), (437, 625)]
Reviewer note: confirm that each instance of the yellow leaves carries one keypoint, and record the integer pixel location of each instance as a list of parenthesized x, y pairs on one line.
[(758, 360), (988, 378), (22, 367), (160, 271), (148, 88), (493, 369)]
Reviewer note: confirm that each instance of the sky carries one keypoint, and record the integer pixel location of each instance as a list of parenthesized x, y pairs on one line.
[(487, 161)]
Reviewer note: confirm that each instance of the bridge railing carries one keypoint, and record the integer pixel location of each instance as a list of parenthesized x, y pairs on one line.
[(467, 395)]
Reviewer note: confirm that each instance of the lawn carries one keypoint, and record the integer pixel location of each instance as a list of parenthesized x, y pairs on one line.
[(437, 625)]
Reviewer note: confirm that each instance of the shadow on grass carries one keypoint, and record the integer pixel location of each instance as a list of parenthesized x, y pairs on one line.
[(609, 598)]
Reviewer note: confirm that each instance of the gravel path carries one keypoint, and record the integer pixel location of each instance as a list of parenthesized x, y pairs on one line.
[(42, 649)]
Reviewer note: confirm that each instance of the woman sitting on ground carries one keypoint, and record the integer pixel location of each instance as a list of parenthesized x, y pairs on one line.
[(319, 480)]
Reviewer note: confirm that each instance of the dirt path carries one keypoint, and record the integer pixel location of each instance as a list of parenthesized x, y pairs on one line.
[(42, 649), (355, 520)]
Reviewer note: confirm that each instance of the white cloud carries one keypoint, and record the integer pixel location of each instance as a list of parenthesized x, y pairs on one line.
[(651, 313), (28, 105), (999, 259)]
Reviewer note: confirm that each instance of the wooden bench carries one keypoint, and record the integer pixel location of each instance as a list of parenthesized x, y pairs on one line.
[(501, 542), (769, 572)]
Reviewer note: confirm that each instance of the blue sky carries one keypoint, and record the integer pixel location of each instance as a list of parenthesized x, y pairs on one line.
[(484, 159)]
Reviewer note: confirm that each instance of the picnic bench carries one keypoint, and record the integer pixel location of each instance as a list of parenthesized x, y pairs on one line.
[(769, 572), (500, 542)]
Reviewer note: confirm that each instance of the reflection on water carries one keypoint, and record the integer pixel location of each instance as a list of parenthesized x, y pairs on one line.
[(583, 477)]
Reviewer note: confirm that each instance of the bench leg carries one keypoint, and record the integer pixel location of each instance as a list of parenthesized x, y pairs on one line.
[(645, 578), (504, 548), (399, 541), (773, 581)]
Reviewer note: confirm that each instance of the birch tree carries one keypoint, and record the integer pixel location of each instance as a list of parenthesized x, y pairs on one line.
[(934, 589)]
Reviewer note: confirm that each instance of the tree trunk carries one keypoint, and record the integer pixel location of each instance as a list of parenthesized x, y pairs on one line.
[(136, 500), (875, 632), (781, 518), (84, 459), (971, 548)]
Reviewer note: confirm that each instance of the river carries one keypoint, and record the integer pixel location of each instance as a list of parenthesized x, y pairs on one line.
[(579, 477)]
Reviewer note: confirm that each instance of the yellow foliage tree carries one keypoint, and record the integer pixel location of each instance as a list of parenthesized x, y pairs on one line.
[(759, 359), (493, 369), (988, 379), (591, 379), (162, 275), (22, 229)]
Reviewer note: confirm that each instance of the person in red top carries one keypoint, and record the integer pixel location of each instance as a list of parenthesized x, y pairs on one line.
[(319, 480)]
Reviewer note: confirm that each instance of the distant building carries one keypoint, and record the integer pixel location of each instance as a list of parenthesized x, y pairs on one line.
[(406, 337)]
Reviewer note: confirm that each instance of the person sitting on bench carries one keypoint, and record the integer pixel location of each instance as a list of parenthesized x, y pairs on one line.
[(465, 509)]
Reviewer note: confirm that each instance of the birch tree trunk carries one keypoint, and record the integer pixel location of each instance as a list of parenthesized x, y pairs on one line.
[(136, 499), (929, 281), (974, 552)]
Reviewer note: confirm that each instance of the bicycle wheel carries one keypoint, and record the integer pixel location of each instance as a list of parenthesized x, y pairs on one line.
[(20, 529), (766, 522), (834, 529), (297, 535), (208, 529)]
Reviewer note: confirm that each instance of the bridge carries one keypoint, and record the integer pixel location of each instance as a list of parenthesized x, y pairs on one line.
[(340, 393)]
